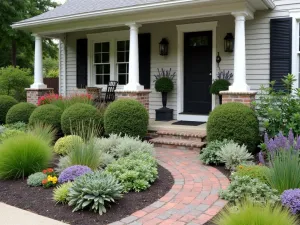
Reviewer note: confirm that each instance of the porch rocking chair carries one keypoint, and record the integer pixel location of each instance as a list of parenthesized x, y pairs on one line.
[(110, 94)]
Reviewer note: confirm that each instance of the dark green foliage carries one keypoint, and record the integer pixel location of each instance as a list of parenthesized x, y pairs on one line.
[(81, 115), (6, 102), (126, 116), (164, 84), (20, 113), (219, 85), (234, 121), (46, 114)]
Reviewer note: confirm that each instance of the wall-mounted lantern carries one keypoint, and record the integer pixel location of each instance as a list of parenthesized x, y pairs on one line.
[(229, 43), (164, 47)]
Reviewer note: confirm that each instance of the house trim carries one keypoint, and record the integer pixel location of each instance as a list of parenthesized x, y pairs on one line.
[(295, 14), (181, 29)]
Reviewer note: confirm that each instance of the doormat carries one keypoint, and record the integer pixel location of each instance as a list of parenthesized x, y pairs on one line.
[(188, 123)]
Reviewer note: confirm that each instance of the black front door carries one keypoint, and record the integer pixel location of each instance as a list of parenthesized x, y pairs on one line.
[(197, 72)]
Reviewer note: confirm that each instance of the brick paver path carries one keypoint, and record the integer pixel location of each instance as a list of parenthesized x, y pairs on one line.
[(193, 198)]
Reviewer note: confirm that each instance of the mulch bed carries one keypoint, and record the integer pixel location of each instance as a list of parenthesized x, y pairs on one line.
[(39, 200)]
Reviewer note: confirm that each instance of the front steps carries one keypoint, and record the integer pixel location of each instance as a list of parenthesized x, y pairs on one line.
[(185, 140)]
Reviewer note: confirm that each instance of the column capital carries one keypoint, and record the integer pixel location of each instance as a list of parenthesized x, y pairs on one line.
[(243, 15), (133, 25), (37, 36)]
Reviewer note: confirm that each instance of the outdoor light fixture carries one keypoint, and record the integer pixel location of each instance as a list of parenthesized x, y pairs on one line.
[(164, 47), (229, 43)]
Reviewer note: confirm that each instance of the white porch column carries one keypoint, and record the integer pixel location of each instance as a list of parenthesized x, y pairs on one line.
[(239, 83), (38, 64), (134, 84)]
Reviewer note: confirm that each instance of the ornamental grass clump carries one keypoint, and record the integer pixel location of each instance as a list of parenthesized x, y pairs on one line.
[(291, 200), (60, 193), (94, 191), (249, 213), (71, 173), (23, 155)]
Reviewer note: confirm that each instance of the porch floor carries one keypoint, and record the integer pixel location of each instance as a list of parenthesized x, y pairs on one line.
[(167, 125)]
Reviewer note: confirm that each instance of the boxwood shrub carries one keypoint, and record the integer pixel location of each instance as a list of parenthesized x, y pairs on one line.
[(126, 116), (46, 114), (6, 102), (20, 113), (81, 114), (234, 121)]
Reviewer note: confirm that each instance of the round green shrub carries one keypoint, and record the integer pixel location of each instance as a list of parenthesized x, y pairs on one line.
[(164, 84), (46, 114), (61, 192), (234, 121), (36, 179), (65, 144), (6, 102), (23, 155), (20, 113), (219, 85), (126, 116), (83, 116)]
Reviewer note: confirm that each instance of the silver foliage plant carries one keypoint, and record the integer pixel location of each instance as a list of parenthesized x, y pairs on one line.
[(94, 191), (233, 155)]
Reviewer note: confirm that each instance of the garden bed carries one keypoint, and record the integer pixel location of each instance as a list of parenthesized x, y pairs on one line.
[(39, 200)]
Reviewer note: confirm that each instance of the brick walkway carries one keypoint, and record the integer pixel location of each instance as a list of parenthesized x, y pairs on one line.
[(192, 200)]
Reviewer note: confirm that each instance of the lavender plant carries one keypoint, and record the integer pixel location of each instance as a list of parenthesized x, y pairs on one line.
[(291, 199), (72, 172)]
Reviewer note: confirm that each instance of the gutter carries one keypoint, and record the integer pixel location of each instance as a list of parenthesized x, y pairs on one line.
[(270, 3), (90, 15)]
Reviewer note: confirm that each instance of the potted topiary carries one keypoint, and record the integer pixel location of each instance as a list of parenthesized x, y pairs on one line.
[(164, 84), (221, 84)]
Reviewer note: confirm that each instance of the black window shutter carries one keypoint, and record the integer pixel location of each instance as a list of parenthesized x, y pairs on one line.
[(280, 50), (81, 62), (145, 59)]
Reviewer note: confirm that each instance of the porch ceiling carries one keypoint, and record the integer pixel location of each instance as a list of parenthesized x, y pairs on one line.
[(157, 11)]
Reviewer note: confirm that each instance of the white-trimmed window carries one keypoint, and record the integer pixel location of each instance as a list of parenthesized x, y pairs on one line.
[(102, 62), (123, 61)]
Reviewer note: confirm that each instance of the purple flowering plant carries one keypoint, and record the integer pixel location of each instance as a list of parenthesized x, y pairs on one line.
[(279, 143), (72, 172), (291, 199)]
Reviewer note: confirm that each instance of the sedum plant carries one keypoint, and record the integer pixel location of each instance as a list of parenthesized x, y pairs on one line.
[(61, 192), (248, 213), (233, 155), (245, 187), (36, 179), (94, 191), (209, 156)]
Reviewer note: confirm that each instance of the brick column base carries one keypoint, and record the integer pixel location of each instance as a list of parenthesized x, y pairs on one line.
[(141, 96), (242, 97), (33, 95)]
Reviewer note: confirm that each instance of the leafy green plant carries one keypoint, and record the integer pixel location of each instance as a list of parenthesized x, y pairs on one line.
[(65, 144), (81, 114), (234, 121), (6, 102), (23, 155), (219, 85), (136, 172), (126, 116), (248, 213), (233, 155), (94, 191), (245, 187), (20, 113), (61, 192), (164, 84), (253, 171), (209, 156), (9, 133), (46, 114), (36, 179), (279, 110), (284, 167)]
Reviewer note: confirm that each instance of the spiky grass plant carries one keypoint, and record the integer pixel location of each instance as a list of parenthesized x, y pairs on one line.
[(94, 191), (23, 155), (60, 193), (248, 213), (43, 131)]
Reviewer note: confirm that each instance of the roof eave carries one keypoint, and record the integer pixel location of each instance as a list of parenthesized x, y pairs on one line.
[(269, 3)]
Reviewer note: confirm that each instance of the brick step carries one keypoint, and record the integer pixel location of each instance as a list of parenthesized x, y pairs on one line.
[(185, 135), (185, 144)]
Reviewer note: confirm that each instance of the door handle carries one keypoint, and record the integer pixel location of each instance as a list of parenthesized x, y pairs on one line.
[(210, 74)]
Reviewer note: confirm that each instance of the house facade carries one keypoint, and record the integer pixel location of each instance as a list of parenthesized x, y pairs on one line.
[(113, 40)]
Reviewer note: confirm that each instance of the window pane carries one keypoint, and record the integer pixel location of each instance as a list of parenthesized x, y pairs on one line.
[(127, 45), (106, 79), (99, 69), (97, 47), (105, 47), (122, 79), (122, 68), (98, 58), (106, 68), (121, 57), (99, 79), (127, 57), (105, 57), (121, 46)]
